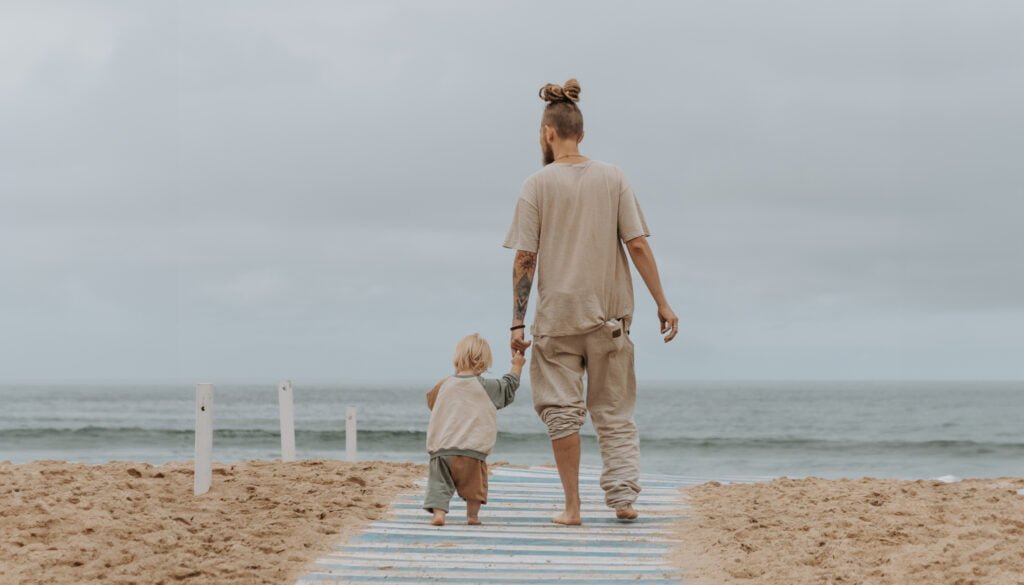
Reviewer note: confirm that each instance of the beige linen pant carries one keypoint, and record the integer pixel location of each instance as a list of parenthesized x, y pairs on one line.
[(605, 355)]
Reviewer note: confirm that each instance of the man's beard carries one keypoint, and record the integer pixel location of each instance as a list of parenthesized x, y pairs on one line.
[(547, 154)]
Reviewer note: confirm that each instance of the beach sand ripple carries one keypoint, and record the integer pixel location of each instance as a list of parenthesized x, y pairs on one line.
[(134, 523), (855, 531)]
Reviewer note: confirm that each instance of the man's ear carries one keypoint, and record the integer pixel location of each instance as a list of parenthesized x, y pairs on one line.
[(580, 139), (549, 134)]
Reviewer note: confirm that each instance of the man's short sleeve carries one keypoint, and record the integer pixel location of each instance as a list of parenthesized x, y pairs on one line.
[(524, 233), (631, 218)]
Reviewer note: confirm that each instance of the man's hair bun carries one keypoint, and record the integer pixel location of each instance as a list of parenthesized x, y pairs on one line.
[(554, 93)]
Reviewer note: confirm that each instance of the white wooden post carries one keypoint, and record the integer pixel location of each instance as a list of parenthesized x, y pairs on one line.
[(350, 433), (286, 406), (203, 470)]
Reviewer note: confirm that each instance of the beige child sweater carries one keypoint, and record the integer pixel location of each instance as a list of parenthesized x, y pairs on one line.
[(464, 414)]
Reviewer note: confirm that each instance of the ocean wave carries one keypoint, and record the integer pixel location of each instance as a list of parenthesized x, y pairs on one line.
[(413, 440), (806, 444)]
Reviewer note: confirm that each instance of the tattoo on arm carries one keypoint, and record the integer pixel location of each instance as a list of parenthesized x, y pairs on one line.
[(522, 297), (522, 282)]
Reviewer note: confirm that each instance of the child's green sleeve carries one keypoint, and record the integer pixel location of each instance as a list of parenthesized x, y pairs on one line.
[(502, 391)]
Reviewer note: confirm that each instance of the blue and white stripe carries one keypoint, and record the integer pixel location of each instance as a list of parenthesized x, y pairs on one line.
[(517, 543)]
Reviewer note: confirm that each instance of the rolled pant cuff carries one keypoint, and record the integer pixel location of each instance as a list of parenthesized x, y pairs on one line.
[(563, 421), (621, 502), (562, 433), (621, 494)]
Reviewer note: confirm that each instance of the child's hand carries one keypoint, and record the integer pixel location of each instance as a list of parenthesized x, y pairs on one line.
[(518, 359), (432, 395)]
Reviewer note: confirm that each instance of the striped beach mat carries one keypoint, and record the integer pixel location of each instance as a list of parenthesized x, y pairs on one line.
[(517, 543)]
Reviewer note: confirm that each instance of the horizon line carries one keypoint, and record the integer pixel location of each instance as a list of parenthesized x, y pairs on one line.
[(429, 379)]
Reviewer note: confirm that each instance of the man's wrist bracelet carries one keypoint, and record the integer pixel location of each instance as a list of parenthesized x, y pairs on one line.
[(514, 327)]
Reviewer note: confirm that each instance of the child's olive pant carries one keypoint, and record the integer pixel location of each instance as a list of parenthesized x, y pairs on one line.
[(455, 473)]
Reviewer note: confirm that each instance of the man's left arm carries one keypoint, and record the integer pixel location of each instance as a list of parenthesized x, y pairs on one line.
[(523, 270)]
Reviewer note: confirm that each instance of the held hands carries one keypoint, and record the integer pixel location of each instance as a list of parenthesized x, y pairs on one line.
[(519, 346), (669, 322), (518, 342)]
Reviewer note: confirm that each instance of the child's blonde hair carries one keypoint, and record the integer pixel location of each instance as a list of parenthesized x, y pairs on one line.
[(472, 353)]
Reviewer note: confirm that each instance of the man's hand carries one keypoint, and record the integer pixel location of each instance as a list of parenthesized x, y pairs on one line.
[(518, 342), (669, 322)]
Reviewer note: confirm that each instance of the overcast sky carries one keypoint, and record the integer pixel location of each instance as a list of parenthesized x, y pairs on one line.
[(215, 191)]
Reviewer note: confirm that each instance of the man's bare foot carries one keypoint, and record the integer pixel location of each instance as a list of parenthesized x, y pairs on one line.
[(438, 519), (473, 520), (627, 512), (567, 519)]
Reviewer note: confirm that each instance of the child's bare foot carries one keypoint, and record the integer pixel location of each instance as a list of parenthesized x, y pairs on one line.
[(438, 519), (473, 512), (568, 519), (627, 512)]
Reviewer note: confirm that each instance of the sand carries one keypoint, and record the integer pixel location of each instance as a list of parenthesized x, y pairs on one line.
[(865, 531), (262, 521)]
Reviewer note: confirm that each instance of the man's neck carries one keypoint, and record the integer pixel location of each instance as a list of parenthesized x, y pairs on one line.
[(570, 158), (566, 150)]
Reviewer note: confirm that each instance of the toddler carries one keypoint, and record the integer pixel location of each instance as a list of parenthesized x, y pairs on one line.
[(464, 426)]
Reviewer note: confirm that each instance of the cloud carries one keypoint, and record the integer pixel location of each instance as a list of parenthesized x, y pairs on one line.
[(198, 190)]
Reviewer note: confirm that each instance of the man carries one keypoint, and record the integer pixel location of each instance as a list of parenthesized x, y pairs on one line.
[(571, 219)]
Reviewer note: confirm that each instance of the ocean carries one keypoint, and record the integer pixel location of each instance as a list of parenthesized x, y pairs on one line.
[(706, 429)]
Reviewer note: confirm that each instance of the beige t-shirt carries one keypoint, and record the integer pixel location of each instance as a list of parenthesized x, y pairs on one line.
[(575, 216)]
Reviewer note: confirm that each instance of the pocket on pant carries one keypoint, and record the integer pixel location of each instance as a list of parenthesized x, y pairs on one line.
[(615, 334)]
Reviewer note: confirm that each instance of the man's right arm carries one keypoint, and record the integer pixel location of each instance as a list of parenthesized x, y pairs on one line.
[(523, 270), (643, 258)]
